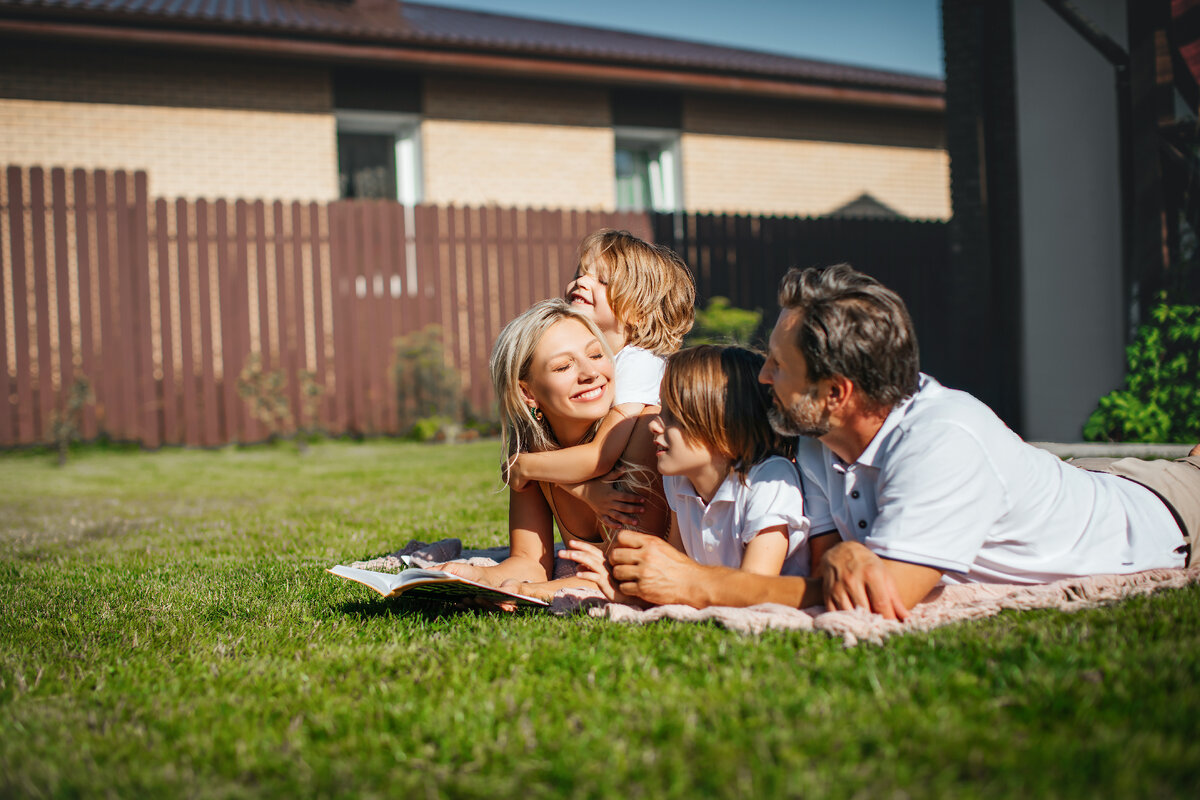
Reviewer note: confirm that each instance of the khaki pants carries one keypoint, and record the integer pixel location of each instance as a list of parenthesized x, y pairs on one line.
[(1176, 482)]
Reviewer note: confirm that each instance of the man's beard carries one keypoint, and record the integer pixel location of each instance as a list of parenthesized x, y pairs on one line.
[(804, 418)]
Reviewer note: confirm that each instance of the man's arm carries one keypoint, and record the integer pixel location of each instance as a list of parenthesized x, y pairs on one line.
[(583, 462), (854, 577), (650, 568)]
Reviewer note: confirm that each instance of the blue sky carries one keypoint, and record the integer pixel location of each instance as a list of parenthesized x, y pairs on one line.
[(900, 35)]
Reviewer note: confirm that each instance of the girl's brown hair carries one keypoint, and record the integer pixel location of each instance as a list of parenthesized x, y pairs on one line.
[(650, 288), (713, 393)]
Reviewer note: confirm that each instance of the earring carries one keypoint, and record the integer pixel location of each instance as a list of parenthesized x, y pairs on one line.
[(536, 413)]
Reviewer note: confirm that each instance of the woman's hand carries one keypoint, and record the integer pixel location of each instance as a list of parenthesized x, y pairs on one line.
[(468, 571), (615, 507), (594, 567)]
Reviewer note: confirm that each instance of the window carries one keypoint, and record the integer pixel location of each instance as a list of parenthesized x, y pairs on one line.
[(647, 169), (379, 155)]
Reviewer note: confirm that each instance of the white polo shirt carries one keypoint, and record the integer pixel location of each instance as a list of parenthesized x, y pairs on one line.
[(717, 534), (945, 483), (638, 374)]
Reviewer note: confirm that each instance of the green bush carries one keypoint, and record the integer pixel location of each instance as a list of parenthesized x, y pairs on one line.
[(720, 323), (426, 385), (1161, 398)]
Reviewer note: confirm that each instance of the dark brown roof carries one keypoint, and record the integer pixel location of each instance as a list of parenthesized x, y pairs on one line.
[(391, 23)]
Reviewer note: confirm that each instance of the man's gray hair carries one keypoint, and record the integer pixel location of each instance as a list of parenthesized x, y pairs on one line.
[(854, 326)]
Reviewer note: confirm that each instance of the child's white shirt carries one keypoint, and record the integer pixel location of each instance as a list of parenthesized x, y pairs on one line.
[(638, 374), (717, 534)]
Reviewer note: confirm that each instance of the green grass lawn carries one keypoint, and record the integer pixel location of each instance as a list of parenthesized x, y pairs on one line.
[(167, 629)]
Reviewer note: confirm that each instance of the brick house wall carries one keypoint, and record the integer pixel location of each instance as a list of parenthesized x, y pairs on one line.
[(517, 143), (200, 127), (228, 127), (743, 155)]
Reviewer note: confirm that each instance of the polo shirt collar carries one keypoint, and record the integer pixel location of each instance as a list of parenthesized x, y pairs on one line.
[(871, 453), (726, 492)]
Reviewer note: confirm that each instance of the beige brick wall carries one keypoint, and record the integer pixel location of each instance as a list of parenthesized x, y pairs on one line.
[(200, 127), (517, 143), (187, 152), (743, 156)]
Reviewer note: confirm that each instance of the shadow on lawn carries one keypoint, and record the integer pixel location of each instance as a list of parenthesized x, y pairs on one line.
[(428, 611)]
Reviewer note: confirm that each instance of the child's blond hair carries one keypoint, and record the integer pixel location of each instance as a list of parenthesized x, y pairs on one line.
[(650, 288)]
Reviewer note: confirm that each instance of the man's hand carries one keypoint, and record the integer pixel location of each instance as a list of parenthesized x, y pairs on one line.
[(615, 507), (645, 566), (854, 577)]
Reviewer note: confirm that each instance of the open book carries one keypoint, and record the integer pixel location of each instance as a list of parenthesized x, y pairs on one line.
[(430, 584)]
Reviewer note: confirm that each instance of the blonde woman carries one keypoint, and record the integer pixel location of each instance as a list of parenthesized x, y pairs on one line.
[(553, 375)]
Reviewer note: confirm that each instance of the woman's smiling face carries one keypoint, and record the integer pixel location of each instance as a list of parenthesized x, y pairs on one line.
[(570, 375)]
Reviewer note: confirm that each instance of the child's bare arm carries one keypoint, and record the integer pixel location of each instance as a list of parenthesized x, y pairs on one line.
[(765, 552), (818, 545), (673, 534), (582, 462)]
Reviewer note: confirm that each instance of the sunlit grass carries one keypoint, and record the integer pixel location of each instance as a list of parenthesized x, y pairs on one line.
[(167, 629)]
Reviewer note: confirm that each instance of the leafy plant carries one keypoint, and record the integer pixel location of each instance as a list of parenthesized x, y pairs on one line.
[(265, 391), (65, 425), (1161, 398), (427, 388), (721, 323)]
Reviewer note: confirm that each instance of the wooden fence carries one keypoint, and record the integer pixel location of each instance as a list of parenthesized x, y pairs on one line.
[(161, 304)]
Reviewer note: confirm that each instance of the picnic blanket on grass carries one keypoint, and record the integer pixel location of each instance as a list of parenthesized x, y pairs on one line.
[(948, 604)]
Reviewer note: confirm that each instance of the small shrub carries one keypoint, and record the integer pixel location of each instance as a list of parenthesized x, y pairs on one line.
[(721, 323), (66, 425), (426, 386), (1160, 401), (265, 392)]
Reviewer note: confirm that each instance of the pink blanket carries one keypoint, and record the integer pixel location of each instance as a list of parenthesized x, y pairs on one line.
[(950, 604), (947, 605)]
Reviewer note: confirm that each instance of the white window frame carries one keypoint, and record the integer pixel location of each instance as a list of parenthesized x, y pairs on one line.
[(410, 183), (406, 128), (666, 188)]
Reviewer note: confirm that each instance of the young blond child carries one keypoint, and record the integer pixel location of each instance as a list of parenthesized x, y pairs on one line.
[(642, 298)]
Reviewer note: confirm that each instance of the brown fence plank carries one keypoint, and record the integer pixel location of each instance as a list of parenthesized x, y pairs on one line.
[(231, 292), (193, 428), (107, 399), (45, 405), (8, 424), (371, 323), (240, 325), (338, 271), (145, 384), (62, 278), (168, 389), (21, 339), (209, 405), (320, 292), (84, 218), (122, 355)]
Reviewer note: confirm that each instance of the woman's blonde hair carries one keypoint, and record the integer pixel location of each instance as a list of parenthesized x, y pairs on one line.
[(714, 394), (650, 288), (510, 362)]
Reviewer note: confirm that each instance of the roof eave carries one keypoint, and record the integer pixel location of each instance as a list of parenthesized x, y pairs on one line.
[(461, 61)]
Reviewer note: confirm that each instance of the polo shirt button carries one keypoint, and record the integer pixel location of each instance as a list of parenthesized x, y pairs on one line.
[(708, 547), (862, 523), (854, 494)]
